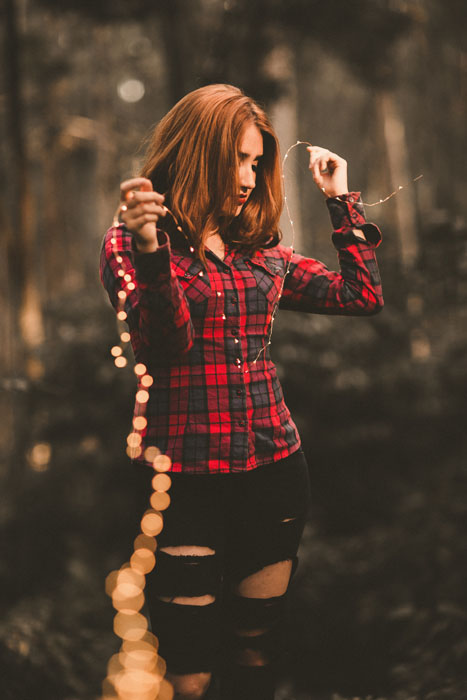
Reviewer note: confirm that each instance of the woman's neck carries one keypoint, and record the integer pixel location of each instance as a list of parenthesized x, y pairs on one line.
[(215, 243)]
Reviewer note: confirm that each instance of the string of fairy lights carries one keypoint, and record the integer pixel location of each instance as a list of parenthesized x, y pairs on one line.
[(137, 672)]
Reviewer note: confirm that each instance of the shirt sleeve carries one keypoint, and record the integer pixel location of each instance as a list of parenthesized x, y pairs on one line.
[(157, 311), (356, 289)]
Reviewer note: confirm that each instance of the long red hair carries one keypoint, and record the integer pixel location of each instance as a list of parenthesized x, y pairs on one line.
[(192, 158)]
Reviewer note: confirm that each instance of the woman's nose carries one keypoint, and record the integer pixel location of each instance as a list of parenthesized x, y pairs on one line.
[(247, 177)]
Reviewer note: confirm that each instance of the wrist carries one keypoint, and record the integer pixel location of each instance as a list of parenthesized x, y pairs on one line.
[(146, 246)]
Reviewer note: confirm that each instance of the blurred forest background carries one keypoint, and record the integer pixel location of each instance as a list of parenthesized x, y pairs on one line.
[(378, 607)]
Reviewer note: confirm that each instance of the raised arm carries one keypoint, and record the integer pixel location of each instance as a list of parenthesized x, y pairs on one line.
[(158, 313), (356, 288)]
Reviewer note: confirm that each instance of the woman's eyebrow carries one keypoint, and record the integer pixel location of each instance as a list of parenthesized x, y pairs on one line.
[(247, 155)]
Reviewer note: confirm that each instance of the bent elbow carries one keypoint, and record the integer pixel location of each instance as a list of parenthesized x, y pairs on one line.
[(375, 305)]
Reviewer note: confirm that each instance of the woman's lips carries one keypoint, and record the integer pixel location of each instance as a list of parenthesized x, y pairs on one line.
[(242, 198)]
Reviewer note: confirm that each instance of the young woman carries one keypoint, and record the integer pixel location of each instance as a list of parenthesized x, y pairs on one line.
[(208, 281)]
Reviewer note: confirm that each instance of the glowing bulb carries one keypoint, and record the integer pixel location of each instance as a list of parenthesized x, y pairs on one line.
[(147, 381), (122, 295), (131, 286), (142, 396), (140, 369), (131, 627), (121, 315), (145, 542), (131, 90), (162, 463), (151, 452), (160, 501), (143, 561), (161, 482), (127, 277), (125, 337), (116, 351), (120, 362), (140, 422), (152, 523), (39, 456), (133, 452), (134, 439)]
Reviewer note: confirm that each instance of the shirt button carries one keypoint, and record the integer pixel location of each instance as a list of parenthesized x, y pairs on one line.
[(239, 392), (351, 199), (233, 300), (234, 331), (242, 423)]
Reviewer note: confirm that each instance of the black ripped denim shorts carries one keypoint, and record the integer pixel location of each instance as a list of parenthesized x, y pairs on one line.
[(250, 519)]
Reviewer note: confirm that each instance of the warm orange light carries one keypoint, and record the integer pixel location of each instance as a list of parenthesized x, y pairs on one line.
[(147, 381), (119, 259), (131, 286), (120, 273), (108, 690), (125, 337), (140, 659), (151, 452), (133, 452), (39, 456), (116, 351), (143, 561), (161, 482), (127, 575), (147, 641), (145, 542), (127, 277), (122, 294), (121, 361), (126, 579), (152, 523), (128, 605), (136, 685), (140, 422), (111, 582), (113, 241), (134, 439), (162, 463), (114, 666), (160, 501), (142, 396), (140, 369), (131, 626), (121, 315), (166, 691)]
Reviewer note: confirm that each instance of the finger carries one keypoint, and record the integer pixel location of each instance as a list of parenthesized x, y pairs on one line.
[(143, 198), (142, 220), (148, 209), (134, 183), (316, 171)]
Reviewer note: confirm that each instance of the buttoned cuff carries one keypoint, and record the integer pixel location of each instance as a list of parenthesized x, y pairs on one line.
[(149, 265), (347, 213)]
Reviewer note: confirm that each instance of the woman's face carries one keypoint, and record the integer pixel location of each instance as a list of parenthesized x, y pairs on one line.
[(250, 151)]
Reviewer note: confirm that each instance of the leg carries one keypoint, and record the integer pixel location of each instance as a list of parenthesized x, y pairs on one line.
[(264, 545), (255, 633), (179, 620)]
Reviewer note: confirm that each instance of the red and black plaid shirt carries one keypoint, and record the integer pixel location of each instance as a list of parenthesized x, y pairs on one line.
[(216, 404)]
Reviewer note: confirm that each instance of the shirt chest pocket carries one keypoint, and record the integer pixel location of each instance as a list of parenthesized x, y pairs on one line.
[(194, 280), (268, 279)]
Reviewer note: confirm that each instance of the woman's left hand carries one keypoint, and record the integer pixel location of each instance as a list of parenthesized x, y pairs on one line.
[(329, 171)]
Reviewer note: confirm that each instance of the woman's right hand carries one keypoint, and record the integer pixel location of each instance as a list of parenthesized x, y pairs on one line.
[(141, 208)]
